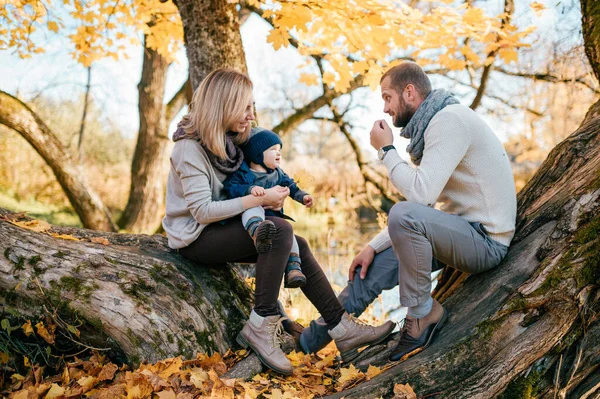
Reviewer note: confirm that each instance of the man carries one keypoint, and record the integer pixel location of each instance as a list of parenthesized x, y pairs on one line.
[(459, 162)]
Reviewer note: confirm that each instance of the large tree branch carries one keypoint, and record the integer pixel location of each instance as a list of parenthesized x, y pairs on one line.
[(16, 115), (306, 112), (181, 98)]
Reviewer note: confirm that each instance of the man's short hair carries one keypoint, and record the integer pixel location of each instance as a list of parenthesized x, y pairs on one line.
[(406, 73)]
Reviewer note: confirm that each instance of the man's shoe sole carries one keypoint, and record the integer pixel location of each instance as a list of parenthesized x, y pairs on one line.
[(427, 343), (245, 344), (264, 237), (352, 354)]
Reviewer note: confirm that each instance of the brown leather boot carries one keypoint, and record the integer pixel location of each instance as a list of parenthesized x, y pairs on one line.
[(261, 334), (351, 334), (418, 333)]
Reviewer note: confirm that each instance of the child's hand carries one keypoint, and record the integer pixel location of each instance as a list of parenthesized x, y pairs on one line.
[(307, 200), (257, 191)]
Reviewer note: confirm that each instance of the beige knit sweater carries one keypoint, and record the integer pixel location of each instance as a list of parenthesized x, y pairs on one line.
[(464, 167), (195, 195)]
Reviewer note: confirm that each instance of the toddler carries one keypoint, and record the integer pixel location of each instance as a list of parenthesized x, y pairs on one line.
[(260, 171)]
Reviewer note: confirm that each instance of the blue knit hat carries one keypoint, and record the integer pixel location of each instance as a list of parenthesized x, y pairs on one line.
[(260, 140)]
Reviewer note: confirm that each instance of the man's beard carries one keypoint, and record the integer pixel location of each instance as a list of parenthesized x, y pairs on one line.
[(402, 118)]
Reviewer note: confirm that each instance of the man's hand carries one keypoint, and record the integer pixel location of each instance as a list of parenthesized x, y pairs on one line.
[(381, 134), (307, 200), (258, 191), (363, 259)]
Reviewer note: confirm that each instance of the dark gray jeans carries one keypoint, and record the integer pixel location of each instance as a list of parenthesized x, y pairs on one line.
[(423, 240)]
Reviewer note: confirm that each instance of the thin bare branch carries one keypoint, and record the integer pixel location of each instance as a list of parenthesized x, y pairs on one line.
[(548, 77), (509, 9)]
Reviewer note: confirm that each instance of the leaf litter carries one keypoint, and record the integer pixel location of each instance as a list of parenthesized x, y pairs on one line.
[(199, 378)]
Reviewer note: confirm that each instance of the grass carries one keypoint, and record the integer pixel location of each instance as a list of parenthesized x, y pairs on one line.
[(50, 213)]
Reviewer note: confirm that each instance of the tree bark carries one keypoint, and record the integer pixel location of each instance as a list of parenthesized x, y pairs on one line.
[(212, 37), (84, 200), (149, 167), (134, 294)]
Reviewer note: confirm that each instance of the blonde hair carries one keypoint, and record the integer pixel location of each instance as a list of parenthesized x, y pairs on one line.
[(218, 103)]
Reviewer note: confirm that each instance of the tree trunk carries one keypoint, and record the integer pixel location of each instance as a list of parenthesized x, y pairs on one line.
[(135, 295), (212, 36), (84, 200), (149, 168)]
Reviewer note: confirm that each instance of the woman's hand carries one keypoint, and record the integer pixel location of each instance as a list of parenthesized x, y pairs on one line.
[(275, 197)]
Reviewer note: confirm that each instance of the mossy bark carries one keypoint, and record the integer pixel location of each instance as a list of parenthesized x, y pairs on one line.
[(142, 298)]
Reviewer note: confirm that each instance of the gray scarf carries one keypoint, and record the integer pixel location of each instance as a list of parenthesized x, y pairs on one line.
[(235, 156), (435, 102)]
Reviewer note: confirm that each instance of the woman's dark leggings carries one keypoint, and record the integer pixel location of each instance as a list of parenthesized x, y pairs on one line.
[(229, 242)]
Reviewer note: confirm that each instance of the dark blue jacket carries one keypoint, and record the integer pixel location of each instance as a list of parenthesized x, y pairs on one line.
[(240, 183)]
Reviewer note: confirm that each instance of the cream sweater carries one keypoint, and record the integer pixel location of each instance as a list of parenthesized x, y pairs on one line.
[(465, 168), (195, 195)]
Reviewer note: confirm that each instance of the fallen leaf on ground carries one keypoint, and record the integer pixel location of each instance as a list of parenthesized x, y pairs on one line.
[(100, 240), (44, 333), (39, 226), (65, 236), (54, 392), (404, 391)]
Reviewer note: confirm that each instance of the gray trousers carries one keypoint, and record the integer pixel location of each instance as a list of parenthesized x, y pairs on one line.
[(423, 240)]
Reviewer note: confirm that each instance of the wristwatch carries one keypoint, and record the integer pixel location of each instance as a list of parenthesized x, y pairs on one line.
[(383, 150)]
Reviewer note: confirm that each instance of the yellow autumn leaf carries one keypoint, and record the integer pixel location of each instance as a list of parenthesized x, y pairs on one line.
[(404, 391), (52, 26), (508, 55), (278, 38), (26, 362), (27, 329), (22, 394), (327, 361), (275, 394), (173, 366), (166, 395), (43, 332), (65, 237), (309, 79), (39, 226), (55, 392), (4, 357), (348, 374), (373, 371), (537, 7), (87, 382), (198, 377), (328, 78)]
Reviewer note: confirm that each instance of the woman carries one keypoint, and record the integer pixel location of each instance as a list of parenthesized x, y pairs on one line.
[(205, 152)]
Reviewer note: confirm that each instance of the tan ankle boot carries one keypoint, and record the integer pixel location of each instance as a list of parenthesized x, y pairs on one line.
[(261, 334), (351, 334)]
